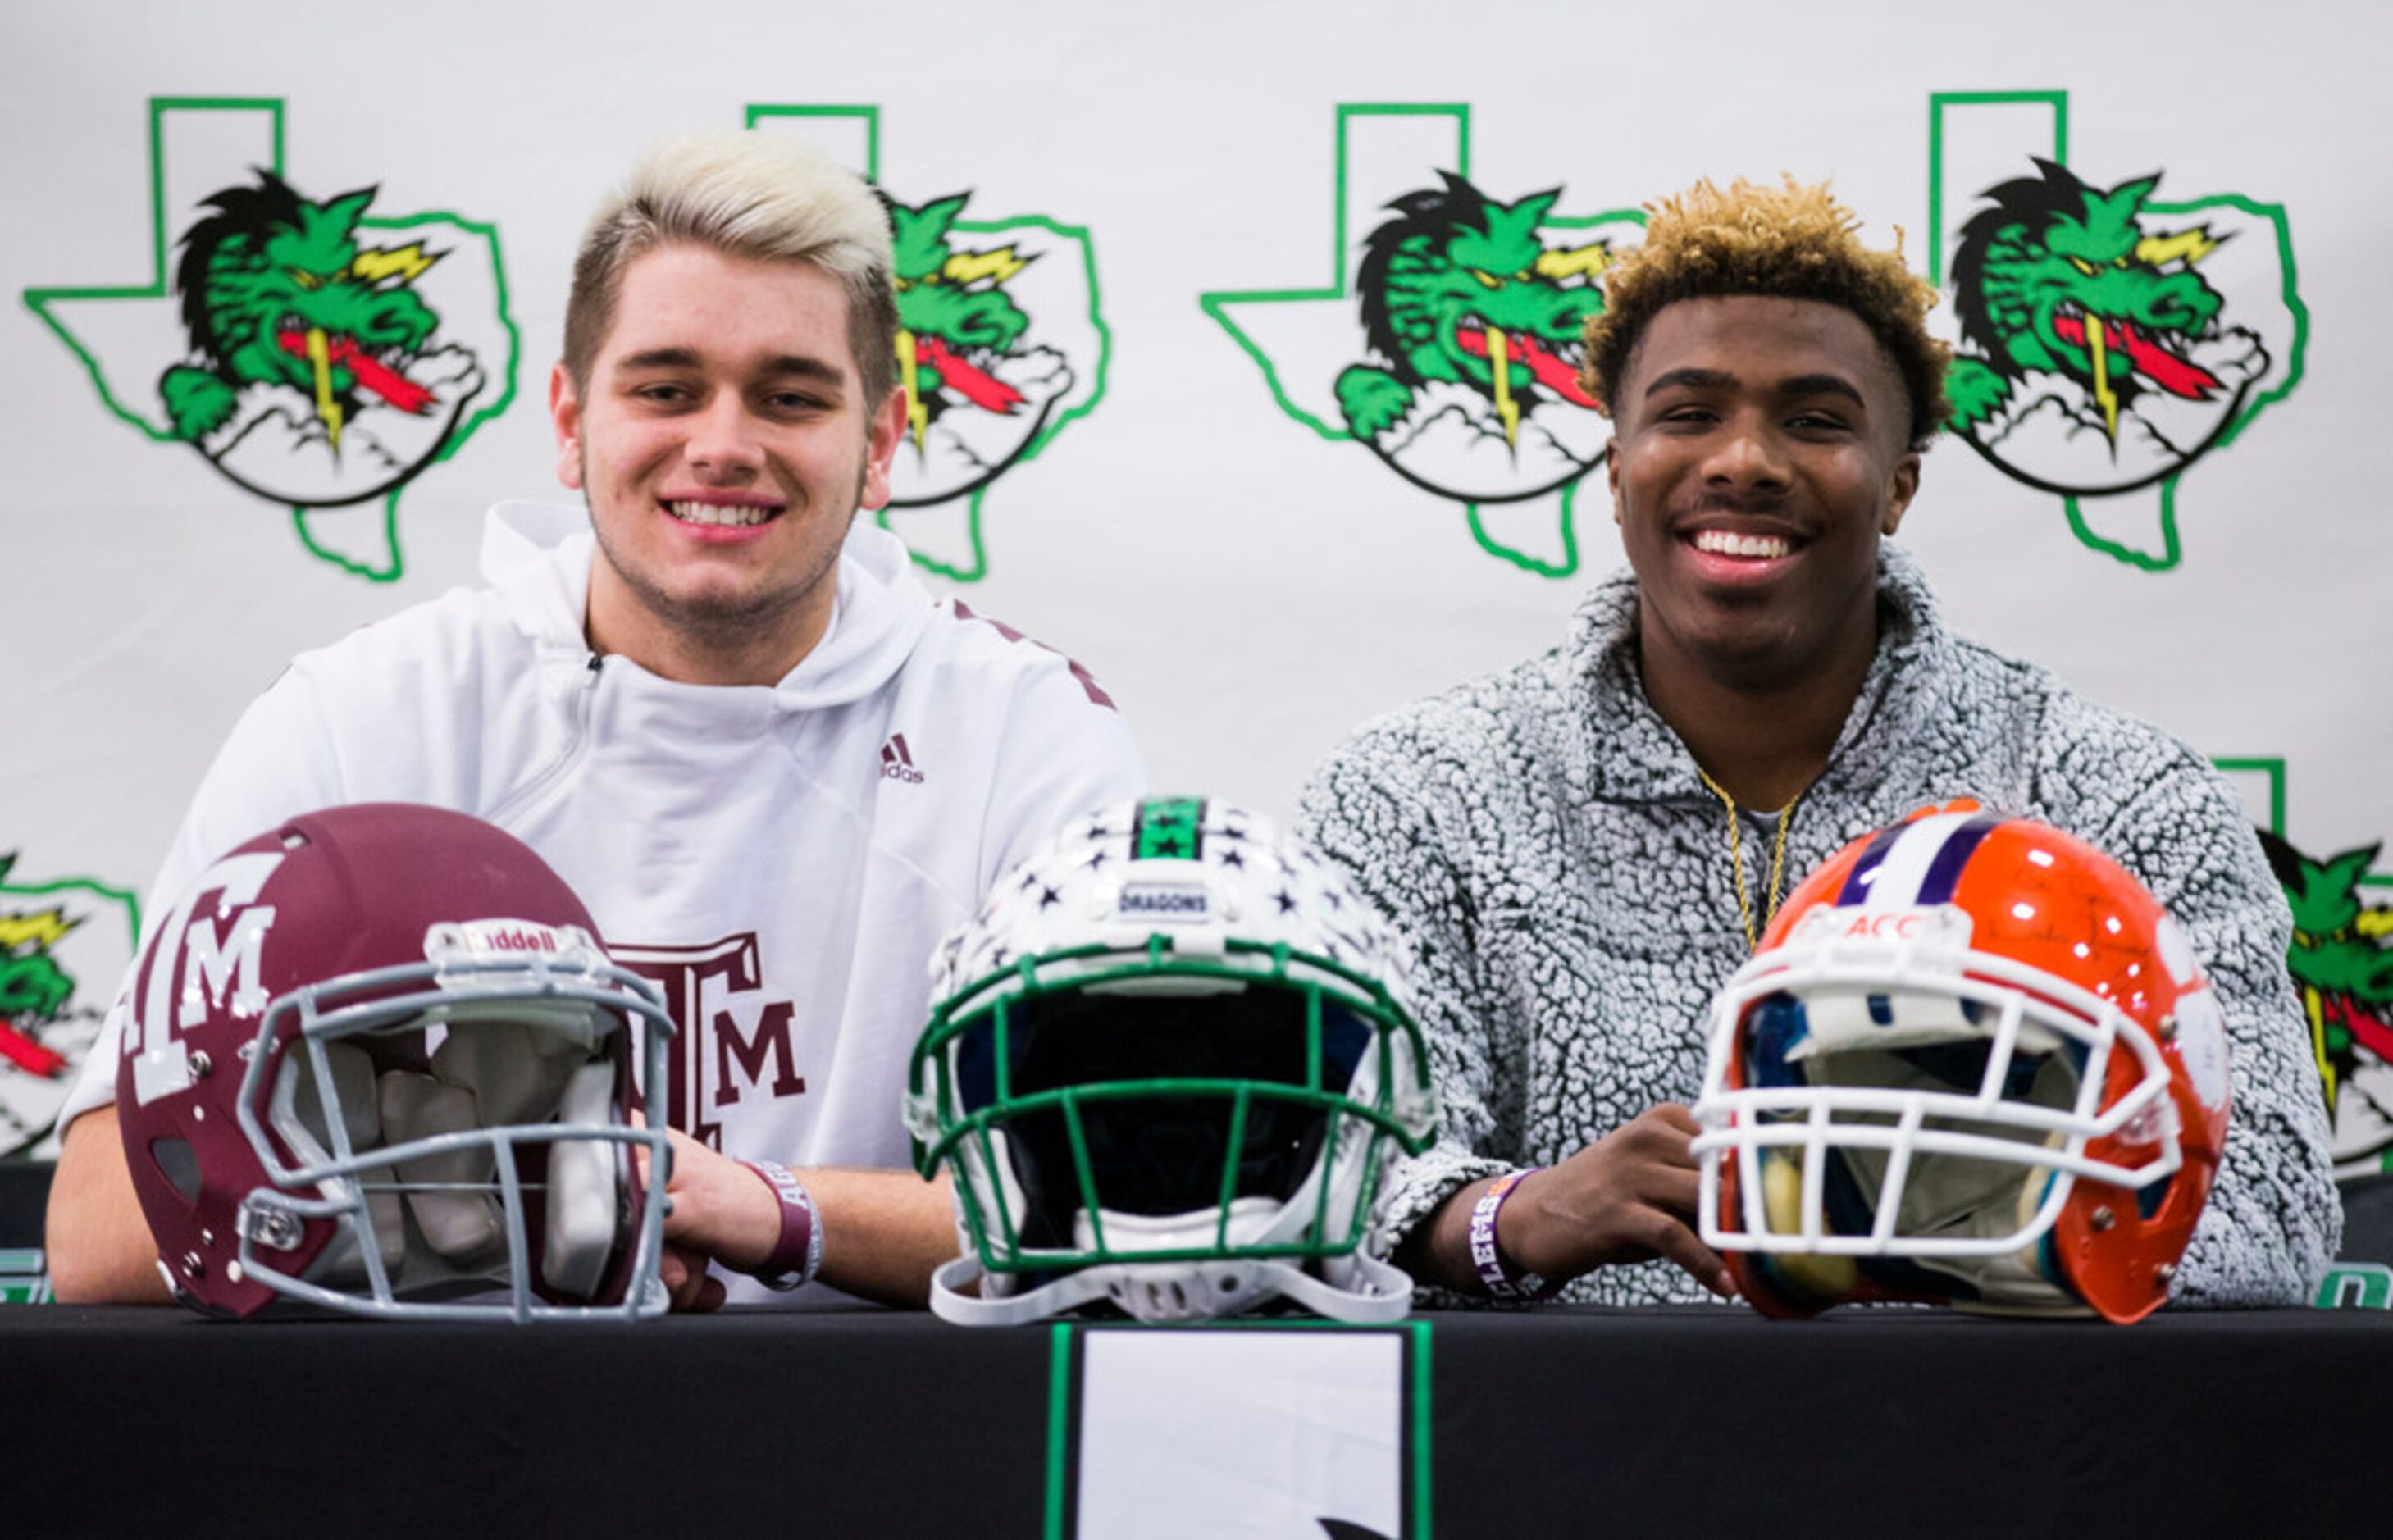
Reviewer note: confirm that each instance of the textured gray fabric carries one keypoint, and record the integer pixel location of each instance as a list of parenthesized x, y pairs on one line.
[(1565, 882)]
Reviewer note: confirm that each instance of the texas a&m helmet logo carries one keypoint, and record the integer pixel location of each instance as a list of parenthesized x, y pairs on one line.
[(205, 959)]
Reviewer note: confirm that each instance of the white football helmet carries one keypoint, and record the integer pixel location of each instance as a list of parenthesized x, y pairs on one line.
[(1169, 1061)]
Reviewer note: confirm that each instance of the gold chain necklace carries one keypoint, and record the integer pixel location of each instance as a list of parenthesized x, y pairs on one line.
[(1736, 855)]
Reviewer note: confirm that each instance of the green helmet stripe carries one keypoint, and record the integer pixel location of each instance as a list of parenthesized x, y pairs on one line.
[(1168, 829)]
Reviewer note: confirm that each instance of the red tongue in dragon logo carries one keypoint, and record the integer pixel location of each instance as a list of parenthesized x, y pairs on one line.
[(2177, 375), (967, 380), (1550, 370), (2368, 1030), (370, 372), (27, 1054)]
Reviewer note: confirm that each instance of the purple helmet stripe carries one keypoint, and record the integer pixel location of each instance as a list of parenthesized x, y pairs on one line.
[(1944, 872), (1899, 869), (1864, 872)]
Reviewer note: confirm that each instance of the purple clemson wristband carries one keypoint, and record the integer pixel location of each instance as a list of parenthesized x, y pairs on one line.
[(1497, 1273)]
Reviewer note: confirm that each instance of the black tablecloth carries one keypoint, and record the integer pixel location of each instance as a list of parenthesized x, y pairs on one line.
[(1560, 1421)]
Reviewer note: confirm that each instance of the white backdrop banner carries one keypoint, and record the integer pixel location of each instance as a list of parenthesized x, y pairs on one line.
[(1247, 378)]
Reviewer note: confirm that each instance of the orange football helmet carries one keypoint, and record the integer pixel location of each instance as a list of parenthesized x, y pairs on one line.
[(1974, 1063)]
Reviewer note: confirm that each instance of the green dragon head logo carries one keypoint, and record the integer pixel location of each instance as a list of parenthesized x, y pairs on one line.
[(317, 355), (2342, 963), (276, 291), (35, 990), (979, 391), (48, 945), (1474, 324), (310, 342), (2097, 354), (1446, 342)]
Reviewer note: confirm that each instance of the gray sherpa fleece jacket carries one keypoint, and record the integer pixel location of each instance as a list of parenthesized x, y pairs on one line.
[(1563, 879)]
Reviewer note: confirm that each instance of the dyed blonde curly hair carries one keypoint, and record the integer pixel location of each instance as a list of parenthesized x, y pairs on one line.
[(1789, 242)]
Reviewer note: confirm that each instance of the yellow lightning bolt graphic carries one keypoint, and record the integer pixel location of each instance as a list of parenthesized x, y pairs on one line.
[(2192, 245), (45, 930), (1499, 358), (326, 408), (972, 266), (916, 415), (1586, 261), (2097, 345), (405, 263), (2313, 1007)]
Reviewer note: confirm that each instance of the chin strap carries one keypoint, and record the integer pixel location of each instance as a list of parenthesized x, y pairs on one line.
[(948, 1303), (1382, 1292)]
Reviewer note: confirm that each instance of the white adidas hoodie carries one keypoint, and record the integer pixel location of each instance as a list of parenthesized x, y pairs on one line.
[(783, 859)]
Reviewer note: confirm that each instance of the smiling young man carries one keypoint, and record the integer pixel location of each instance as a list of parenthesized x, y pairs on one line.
[(1583, 848), (718, 704)]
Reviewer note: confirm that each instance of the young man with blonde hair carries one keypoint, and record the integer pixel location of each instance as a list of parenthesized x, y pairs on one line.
[(719, 704), (1583, 847)]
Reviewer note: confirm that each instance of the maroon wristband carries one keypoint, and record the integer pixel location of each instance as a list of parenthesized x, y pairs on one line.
[(798, 1256)]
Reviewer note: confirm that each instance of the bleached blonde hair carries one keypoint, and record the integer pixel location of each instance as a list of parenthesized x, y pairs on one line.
[(747, 194)]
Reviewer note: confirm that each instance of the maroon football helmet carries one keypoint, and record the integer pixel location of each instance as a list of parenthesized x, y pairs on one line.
[(377, 1059)]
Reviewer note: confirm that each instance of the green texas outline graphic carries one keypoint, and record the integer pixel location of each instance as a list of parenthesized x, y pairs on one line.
[(150, 353), (1002, 342), (2110, 265), (1390, 157)]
